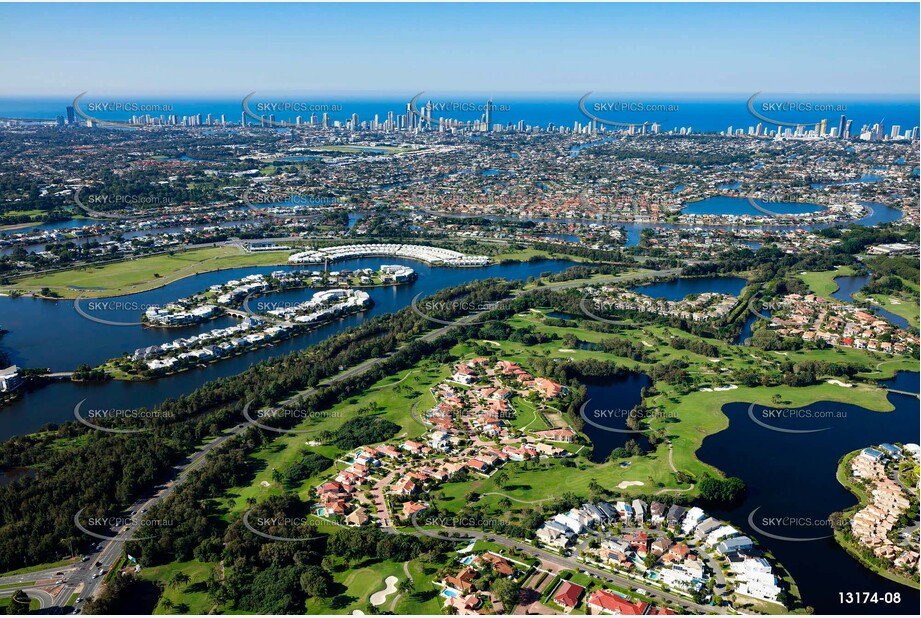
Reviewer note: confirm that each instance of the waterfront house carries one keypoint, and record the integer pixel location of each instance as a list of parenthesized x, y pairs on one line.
[(10, 379)]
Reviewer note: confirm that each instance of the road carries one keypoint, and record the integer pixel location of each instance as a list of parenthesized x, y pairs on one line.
[(572, 563), (80, 578), (44, 599)]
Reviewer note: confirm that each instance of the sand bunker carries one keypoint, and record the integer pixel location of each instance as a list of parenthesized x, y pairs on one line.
[(380, 596)]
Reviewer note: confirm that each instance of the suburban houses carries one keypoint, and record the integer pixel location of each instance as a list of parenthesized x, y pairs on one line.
[(876, 525), (813, 319), (694, 307), (678, 549)]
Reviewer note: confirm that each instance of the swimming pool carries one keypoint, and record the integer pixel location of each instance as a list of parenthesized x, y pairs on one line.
[(450, 592)]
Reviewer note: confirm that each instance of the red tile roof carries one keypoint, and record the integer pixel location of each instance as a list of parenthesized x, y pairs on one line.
[(569, 594)]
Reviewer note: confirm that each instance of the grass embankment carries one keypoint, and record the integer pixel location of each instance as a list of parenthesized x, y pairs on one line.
[(823, 283), (41, 567), (146, 273), (903, 305), (34, 604)]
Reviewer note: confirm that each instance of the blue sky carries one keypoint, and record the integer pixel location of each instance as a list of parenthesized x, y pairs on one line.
[(218, 49)]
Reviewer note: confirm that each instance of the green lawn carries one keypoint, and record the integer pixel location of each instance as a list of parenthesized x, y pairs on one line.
[(16, 585), (903, 305), (425, 599), (41, 567), (393, 397), (353, 588), (823, 283), (193, 594), (34, 604), (132, 276)]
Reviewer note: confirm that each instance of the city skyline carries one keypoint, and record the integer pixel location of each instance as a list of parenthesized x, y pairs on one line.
[(209, 49)]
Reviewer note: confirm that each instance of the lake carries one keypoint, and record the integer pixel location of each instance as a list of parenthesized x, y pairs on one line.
[(725, 205), (608, 405), (677, 289), (793, 476), (52, 334), (850, 285)]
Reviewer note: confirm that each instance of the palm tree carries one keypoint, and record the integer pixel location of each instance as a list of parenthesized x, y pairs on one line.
[(407, 586)]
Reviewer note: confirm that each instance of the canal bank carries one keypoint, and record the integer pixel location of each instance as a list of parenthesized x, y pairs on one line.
[(792, 495)]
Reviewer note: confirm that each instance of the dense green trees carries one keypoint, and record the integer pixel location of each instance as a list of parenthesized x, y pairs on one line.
[(721, 491)]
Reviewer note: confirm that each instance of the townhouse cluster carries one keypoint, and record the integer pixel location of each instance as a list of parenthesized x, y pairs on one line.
[(431, 255), (477, 398), (697, 308), (813, 318), (873, 524), (179, 313), (252, 332), (681, 560), (469, 434), (211, 345), (324, 306)]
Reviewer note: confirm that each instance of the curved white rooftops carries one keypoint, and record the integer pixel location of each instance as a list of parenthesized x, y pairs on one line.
[(432, 255)]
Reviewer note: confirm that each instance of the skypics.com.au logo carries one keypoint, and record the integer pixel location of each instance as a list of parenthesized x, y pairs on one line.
[(626, 113), (786, 111), (266, 112), (472, 311), (436, 113), (259, 418), (129, 420), (103, 113)]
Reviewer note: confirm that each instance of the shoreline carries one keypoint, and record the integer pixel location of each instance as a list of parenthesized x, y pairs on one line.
[(843, 477), (72, 294)]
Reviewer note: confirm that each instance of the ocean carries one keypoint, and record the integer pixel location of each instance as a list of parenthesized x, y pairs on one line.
[(701, 114)]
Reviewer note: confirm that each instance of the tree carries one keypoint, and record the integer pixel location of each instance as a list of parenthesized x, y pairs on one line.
[(508, 592), (179, 578), (501, 479), (407, 586), (315, 581), (19, 603)]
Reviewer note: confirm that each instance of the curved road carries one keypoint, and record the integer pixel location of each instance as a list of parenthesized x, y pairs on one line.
[(80, 576)]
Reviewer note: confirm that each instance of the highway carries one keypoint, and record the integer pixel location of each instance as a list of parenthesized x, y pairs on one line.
[(79, 577)]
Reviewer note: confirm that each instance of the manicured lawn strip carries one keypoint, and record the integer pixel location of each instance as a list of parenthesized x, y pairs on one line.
[(524, 255), (41, 567), (16, 585), (133, 276)]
